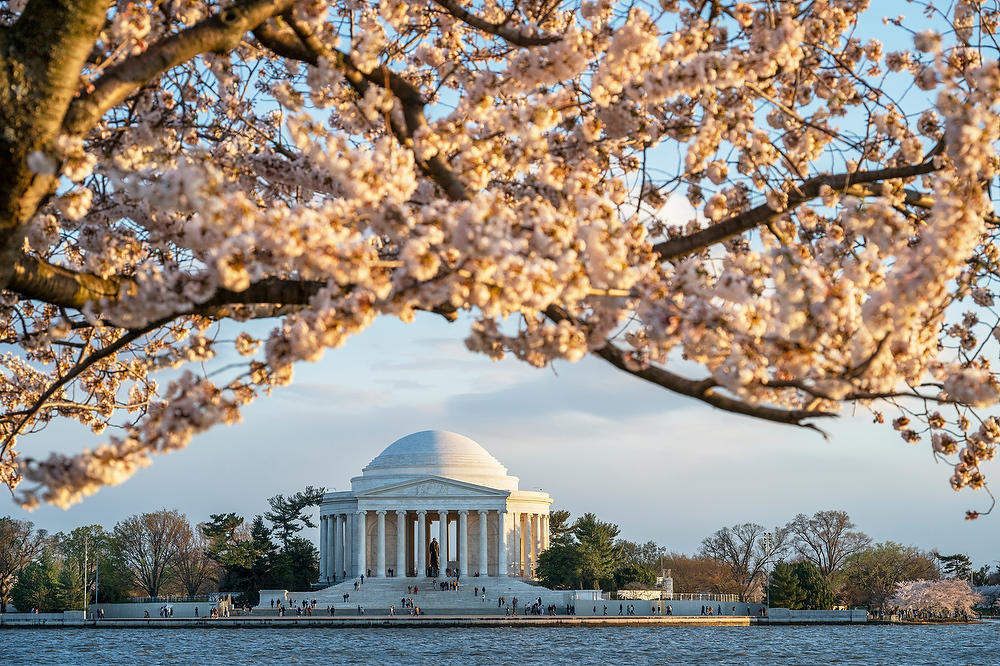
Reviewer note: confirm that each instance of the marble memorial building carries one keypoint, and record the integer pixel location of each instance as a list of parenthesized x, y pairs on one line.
[(432, 495)]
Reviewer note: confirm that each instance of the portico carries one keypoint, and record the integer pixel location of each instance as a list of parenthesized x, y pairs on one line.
[(432, 485)]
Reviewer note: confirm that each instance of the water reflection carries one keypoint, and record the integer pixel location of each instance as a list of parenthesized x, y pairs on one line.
[(962, 644)]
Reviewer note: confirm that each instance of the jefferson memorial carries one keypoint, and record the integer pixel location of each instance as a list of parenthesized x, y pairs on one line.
[(430, 503)]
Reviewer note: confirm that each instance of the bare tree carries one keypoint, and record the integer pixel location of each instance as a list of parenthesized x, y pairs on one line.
[(746, 550), (826, 539), (150, 544), (193, 566), (19, 545)]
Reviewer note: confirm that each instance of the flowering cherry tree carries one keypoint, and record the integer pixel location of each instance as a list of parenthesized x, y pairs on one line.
[(949, 596), (172, 164)]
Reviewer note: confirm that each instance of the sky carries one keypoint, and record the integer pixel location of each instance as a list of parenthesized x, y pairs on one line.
[(661, 466)]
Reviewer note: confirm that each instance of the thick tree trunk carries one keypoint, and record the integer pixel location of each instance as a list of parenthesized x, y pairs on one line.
[(41, 57)]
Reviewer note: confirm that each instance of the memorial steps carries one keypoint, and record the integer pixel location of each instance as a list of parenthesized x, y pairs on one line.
[(377, 594)]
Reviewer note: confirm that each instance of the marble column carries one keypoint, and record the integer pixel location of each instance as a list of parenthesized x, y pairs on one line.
[(400, 544), (338, 547), (360, 527), (380, 546), (462, 544), (484, 552), (534, 543), (502, 557), (522, 560), (324, 554), (349, 551), (421, 544), (411, 544), (443, 540), (515, 543), (331, 567)]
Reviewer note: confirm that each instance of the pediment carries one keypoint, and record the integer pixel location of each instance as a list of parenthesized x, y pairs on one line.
[(433, 486)]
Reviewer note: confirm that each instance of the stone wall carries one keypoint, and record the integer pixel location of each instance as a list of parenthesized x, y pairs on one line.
[(660, 607), (181, 609), (63, 619), (785, 616)]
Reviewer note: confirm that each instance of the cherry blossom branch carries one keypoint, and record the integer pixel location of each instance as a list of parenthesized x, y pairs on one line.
[(35, 279), (221, 32), (108, 350), (764, 214), (705, 391), (39, 280), (502, 30), (410, 99)]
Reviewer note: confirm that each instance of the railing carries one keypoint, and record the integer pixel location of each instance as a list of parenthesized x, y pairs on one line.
[(700, 596), (667, 596), (174, 599)]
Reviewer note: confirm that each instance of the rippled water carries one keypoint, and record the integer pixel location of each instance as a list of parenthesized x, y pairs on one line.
[(961, 644)]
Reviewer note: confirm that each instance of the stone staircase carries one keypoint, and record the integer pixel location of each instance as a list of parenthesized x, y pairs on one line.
[(377, 594)]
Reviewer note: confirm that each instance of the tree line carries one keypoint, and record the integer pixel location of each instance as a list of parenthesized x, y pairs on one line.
[(159, 553), (810, 562)]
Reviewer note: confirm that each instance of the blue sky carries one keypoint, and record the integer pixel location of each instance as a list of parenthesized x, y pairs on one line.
[(661, 466)]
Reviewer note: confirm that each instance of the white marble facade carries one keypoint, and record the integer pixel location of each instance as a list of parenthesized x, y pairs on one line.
[(432, 485)]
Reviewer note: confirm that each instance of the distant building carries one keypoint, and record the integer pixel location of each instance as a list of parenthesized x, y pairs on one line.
[(385, 523)]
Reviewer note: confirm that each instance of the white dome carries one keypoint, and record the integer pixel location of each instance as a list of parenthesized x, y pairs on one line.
[(434, 453)]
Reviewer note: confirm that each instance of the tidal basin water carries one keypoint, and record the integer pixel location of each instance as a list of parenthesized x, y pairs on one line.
[(954, 644)]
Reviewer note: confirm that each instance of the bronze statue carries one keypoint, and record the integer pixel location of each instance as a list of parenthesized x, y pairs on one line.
[(435, 563)]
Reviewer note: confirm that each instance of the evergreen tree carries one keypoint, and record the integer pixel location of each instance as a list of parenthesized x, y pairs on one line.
[(245, 557), (559, 566), (560, 528), (800, 586), (597, 551), (815, 587), (784, 591), (39, 586), (288, 515), (295, 567), (955, 566)]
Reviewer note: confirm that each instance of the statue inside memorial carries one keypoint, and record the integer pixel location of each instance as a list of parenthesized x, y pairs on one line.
[(435, 557)]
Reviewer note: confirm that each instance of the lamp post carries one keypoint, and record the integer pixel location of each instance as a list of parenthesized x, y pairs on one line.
[(97, 577), (767, 567), (85, 544)]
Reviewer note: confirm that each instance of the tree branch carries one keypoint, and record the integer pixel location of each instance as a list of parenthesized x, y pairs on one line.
[(763, 214), (220, 32), (75, 372), (299, 42), (703, 390), (503, 30), (35, 279), (41, 56)]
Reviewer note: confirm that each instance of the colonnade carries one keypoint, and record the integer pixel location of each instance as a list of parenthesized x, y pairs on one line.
[(512, 541)]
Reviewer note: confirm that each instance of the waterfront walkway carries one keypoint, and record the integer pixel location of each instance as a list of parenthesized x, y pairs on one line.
[(345, 621)]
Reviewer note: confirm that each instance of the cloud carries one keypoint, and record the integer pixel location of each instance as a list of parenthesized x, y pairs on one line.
[(587, 390)]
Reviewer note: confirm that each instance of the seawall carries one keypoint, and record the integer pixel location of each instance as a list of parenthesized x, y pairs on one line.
[(777, 616), (372, 621)]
